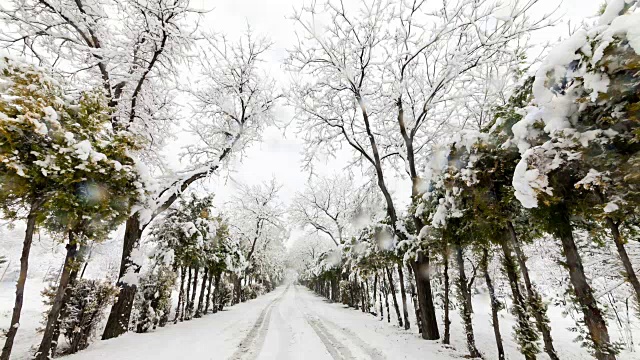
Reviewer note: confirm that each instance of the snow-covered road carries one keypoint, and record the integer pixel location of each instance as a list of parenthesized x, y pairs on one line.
[(289, 327), (289, 323)]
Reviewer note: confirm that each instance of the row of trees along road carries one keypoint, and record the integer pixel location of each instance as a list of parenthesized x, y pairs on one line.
[(72, 176), (125, 59), (496, 158), (433, 92)]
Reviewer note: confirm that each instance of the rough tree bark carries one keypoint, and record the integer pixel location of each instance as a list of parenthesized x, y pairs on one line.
[(187, 298), (73, 277), (368, 295), (519, 307), (237, 289), (208, 303), (386, 299), (194, 291), (428, 318), (584, 294), (618, 240), (495, 304), (118, 320), (334, 290), (447, 288), (414, 298), (22, 278), (216, 294), (352, 296), (381, 291), (44, 349), (536, 304), (180, 296), (201, 297), (375, 292), (363, 307), (624, 257), (392, 289), (465, 305), (403, 294)]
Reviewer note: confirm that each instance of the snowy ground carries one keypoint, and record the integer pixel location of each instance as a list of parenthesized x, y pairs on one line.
[(293, 323), (289, 323)]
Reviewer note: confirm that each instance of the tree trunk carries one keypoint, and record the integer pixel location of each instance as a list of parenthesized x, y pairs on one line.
[(73, 276), (584, 294), (526, 335), (194, 291), (352, 298), (363, 307), (386, 299), (216, 294), (237, 289), (380, 291), (367, 294), (22, 279), (414, 298), (375, 291), (403, 294), (428, 319), (392, 289), (624, 257), (201, 297), (465, 306), (495, 305), (447, 288), (187, 299), (180, 295), (334, 290), (425, 297), (44, 349), (536, 304), (120, 314), (208, 303)]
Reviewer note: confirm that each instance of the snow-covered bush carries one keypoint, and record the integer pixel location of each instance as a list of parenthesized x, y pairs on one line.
[(153, 299), (252, 291), (83, 310), (223, 296)]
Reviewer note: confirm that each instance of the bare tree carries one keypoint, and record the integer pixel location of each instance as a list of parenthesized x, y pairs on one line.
[(233, 103), (389, 78), (329, 205), (128, 48), (257, 214)]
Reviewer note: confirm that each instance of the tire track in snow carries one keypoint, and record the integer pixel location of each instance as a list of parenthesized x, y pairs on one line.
[(252, 343), (372, 352), (284, 331), (336, 349)]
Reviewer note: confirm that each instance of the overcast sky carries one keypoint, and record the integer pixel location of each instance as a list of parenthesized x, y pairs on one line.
[(279, 156)]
